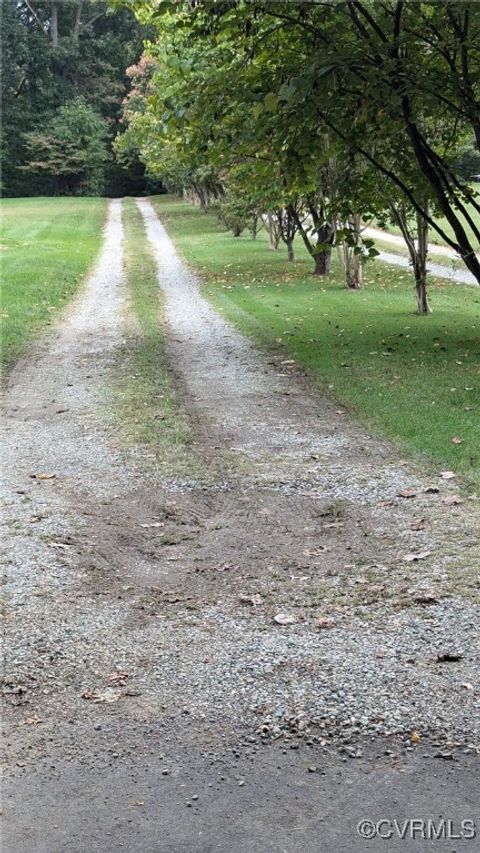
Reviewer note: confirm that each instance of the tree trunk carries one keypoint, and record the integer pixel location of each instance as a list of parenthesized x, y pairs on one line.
[(322, 263), (273, 236), (418, 251), (290, 252), (78, 20), (354, 272), (420, 266), (351, 260), (54, 23)]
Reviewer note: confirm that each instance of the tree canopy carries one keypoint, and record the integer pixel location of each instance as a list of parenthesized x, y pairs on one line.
[(336, 111), (64, 63)]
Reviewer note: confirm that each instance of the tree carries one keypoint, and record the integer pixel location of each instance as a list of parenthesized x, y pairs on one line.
[(324, 92), (53, 53), (71, 150)]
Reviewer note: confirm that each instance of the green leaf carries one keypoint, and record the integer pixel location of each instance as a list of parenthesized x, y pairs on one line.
[(271, 102)]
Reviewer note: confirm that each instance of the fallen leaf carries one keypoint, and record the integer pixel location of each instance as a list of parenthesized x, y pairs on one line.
[(324, 623), (284, 619), (420, 555), (119, 677), (452, 500), (447, 475), (415, 737), (252, 600), (406, 493), (108, 695), (449, 656), (418, 524), (456, 439), (43, 476), (426, 596)]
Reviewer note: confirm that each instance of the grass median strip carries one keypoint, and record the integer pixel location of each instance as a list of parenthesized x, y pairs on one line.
[(145, 396), (48, 246), (416, 379)]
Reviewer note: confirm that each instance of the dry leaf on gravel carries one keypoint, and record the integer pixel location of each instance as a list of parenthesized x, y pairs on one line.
[(31, 721), (406, 493), (426, 596), (418, 524), (43, 476), (108, 695), (284, 619), (324, 623), (252, 600), (449, 656), (420, 555), (452, 500), (119, 677)]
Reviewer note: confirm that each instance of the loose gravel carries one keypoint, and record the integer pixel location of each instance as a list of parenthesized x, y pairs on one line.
[(269, 598)]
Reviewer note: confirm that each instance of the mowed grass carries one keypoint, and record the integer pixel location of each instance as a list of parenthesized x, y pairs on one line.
[(415, 379), (144, 394), (48, 245)]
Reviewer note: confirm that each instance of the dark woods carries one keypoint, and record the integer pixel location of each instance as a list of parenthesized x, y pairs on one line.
[(64, 82)]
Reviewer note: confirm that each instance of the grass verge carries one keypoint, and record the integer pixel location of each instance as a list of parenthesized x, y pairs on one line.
[(145, 397), (48, 245), (415, 379)]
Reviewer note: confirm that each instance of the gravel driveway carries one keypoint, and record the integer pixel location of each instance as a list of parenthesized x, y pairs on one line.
[(298, 616)]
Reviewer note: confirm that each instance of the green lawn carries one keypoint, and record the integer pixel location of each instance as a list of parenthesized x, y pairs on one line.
[(415, 379), (48, 244)]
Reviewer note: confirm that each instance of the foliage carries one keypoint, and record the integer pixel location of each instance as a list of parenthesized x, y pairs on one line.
[(53, 54), (353, 104), (71, 150)]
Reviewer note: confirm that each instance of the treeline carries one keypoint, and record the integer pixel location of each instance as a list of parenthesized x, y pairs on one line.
[(315, 118), (64, 81)]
